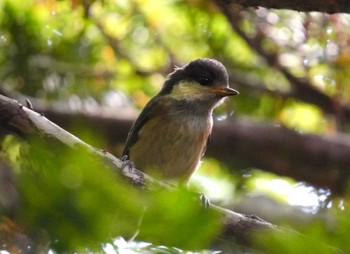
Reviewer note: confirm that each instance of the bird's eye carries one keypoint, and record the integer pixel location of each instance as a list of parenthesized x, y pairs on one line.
[(205, 81)]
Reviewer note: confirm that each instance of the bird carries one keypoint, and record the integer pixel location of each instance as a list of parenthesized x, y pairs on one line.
[(169, 137)]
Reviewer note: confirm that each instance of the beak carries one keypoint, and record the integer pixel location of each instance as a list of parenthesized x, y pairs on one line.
[(225, 91)]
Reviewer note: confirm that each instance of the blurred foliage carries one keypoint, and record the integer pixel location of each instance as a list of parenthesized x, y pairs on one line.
[(58, 50), (82, 52), (68, 197), (324, 236)]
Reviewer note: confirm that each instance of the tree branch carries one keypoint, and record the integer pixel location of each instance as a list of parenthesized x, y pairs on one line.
[(328, 6), (319, 160), (16, 118)]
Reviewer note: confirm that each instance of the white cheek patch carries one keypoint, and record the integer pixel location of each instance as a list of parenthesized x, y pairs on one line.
[(188, 90)]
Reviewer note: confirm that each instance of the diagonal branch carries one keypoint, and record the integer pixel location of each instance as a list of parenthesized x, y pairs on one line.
[(16, 117), (319, 160)]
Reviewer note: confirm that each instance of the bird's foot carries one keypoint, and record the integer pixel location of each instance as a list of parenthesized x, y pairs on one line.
[(135, 176), (204, 201), (127, 165)]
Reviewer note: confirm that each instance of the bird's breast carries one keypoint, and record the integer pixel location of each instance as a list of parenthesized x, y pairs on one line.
[(171, 147)]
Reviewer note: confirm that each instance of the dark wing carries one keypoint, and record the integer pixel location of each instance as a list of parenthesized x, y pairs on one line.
[(150, 109)]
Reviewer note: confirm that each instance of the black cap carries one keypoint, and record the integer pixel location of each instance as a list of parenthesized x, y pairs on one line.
[(205, 71)]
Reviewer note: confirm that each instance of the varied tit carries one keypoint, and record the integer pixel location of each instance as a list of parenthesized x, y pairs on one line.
[(169, 137)]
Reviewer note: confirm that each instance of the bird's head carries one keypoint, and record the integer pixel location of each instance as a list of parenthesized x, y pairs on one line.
[(204, 80)]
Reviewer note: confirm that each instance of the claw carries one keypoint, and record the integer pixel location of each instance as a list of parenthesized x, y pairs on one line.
[(127, 164), (204, 201), (124, 158)]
